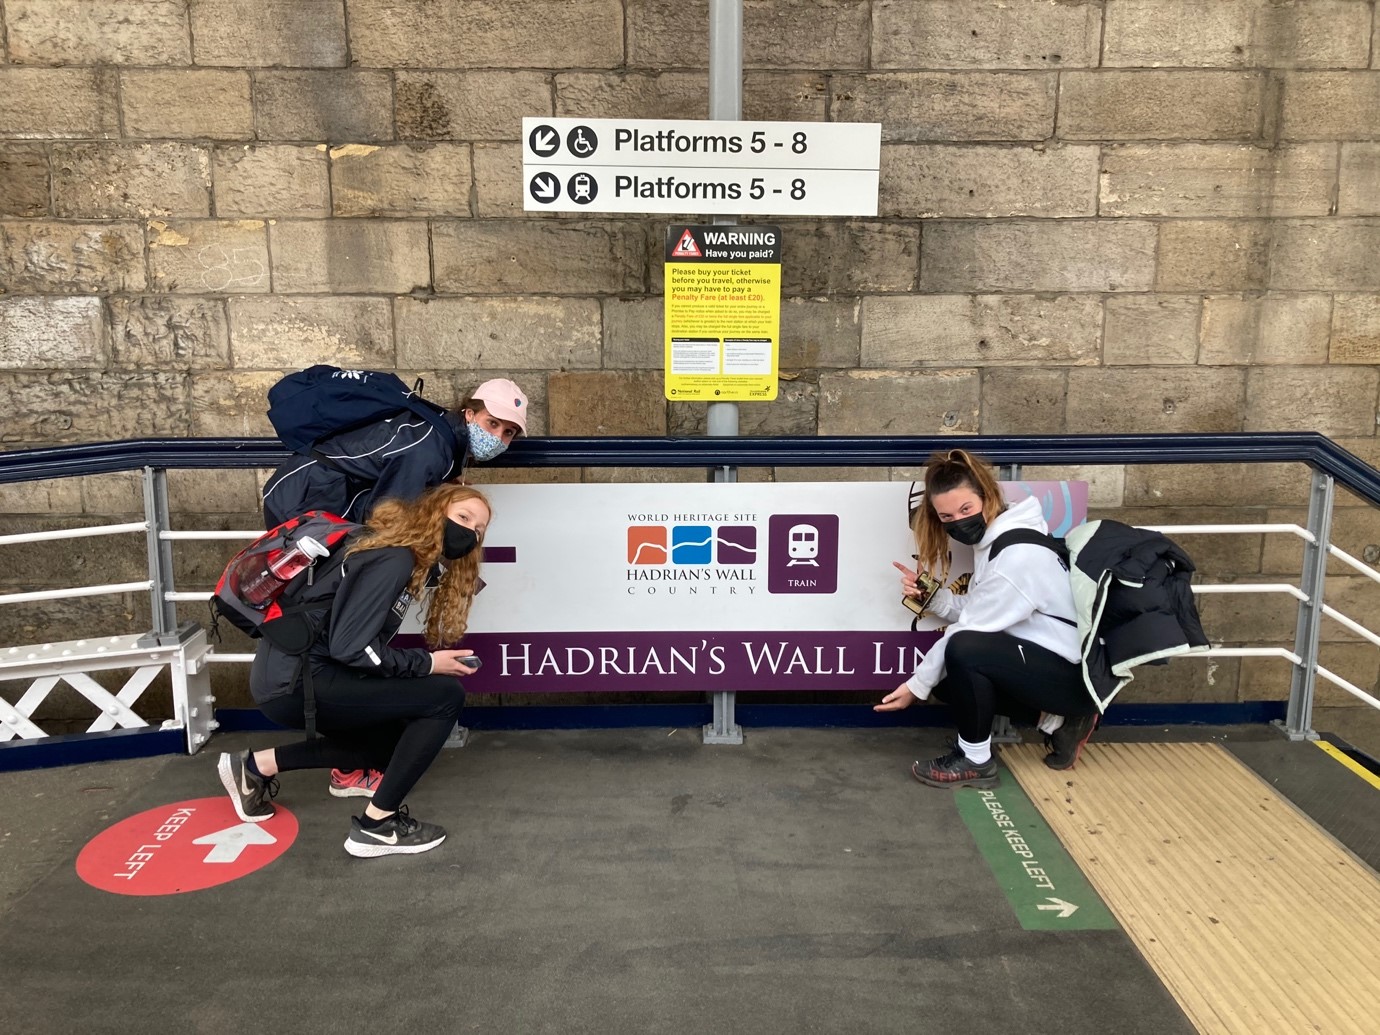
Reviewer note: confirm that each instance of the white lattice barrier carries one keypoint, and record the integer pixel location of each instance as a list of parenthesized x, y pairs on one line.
[(72, 662)]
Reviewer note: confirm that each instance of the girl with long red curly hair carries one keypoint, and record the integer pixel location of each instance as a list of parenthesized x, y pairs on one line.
[(378, 707)]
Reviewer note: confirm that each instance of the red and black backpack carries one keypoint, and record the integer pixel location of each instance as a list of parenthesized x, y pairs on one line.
[(286, 619), (294, 614)]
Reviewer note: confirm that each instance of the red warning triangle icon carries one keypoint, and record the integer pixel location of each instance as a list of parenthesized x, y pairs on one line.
[(686, 248)]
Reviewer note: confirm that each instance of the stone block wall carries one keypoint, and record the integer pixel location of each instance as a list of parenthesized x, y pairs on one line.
[(1113, 216)]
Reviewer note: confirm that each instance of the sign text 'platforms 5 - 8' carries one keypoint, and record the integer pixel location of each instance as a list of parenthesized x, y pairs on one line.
[(716, 167)]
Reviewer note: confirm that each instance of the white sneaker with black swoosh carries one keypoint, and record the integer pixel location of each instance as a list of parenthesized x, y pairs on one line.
[(399, 834)]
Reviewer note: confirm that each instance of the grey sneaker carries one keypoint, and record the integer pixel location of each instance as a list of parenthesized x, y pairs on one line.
[(249, 794), (399, 834), (956, 770), (1066, 743)]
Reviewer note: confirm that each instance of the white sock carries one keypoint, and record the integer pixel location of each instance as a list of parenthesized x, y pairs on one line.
[(980, 753), (1049, 723)]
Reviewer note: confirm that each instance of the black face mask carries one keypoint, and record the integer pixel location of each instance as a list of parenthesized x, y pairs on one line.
[(458, 541), (967, 531)]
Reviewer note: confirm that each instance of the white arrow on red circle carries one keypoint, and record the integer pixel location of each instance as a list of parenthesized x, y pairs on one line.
[(227, 845)]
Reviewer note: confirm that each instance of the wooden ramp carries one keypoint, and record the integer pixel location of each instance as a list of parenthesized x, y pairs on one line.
[(1254, 918)]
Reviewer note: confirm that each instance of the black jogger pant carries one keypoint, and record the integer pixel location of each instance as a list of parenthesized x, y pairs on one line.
[(994, 673), (394, 724)]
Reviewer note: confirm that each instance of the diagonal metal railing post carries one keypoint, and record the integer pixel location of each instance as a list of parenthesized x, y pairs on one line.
[(1298, 721)]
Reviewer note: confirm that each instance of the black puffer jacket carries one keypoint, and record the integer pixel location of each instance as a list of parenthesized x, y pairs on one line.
[(400, 457), (368, 609), (1134, 602)]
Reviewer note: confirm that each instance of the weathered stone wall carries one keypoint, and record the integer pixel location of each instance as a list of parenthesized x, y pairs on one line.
[(1128, 215)]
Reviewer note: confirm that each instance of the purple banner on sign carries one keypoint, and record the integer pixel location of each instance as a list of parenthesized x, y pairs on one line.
[(591, 662)]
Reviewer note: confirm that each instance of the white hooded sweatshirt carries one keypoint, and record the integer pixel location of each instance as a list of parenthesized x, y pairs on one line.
[(1017, 594)]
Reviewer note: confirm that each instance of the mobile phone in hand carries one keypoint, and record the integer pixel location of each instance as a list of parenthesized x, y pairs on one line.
[(928, 586)]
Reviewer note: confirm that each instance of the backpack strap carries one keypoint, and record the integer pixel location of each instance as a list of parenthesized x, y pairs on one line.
[(308, 695), (1013, 536), (1028, 535)]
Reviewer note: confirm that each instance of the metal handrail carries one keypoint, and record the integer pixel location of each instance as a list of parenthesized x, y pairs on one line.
[(1317, 451), (1331, 465)]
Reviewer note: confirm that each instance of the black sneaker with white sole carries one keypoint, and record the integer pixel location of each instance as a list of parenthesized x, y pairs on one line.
[(399, 834), (249, 794)]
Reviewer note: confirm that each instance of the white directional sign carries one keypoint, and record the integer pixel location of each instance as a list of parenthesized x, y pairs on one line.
[(686, 166)]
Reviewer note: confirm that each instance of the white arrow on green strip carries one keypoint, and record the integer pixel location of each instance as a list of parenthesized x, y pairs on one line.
[(1065, 908)]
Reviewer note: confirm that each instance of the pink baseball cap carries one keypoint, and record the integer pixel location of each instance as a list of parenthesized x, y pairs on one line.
[(504, 400)]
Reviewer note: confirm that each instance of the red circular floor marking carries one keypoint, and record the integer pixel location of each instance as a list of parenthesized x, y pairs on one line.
[(183, 846)]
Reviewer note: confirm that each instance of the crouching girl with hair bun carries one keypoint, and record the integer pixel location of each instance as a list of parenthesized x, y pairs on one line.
[(1011, 645)]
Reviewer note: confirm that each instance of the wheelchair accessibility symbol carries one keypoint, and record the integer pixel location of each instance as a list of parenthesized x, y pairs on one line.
[(581, 141), (582, 188)]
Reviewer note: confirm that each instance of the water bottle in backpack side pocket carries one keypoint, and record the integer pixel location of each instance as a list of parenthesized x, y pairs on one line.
[(260, 583)]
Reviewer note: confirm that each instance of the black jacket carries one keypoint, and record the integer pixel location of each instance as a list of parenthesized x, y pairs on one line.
[(368, 608), (1134, 602), (401, 457)]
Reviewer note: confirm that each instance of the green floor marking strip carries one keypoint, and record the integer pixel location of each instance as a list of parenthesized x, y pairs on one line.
[(1046, 889)]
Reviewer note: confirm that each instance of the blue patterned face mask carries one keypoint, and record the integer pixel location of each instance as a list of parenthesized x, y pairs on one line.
[(484, 446)]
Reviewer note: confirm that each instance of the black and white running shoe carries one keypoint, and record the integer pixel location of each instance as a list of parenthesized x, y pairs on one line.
[(399, 834), (249, 794)]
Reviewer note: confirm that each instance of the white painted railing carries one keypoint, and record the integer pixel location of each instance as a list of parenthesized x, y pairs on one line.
[(184, 651)]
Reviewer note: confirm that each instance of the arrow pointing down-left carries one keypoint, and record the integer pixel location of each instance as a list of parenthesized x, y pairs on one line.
[(227, 844)]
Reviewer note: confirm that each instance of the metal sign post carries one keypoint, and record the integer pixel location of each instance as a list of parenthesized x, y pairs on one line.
[(725, 102), (725, 168)]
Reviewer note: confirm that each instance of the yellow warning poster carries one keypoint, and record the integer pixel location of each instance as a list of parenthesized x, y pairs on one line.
[(723, 313)]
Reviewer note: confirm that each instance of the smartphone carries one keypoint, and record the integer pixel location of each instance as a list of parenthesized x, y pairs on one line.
[(470, 662), (929, 586)]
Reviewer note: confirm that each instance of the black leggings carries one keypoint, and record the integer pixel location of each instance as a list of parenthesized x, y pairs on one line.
[(993, 673), (366, 721)]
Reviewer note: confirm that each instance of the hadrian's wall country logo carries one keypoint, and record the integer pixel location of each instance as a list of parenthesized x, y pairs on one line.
[(692, 544), (803, 553)]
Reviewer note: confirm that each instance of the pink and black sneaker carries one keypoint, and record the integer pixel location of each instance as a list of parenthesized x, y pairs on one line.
[(355, 783)]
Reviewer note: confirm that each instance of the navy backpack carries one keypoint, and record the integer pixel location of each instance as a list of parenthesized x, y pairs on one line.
[(323, 400)]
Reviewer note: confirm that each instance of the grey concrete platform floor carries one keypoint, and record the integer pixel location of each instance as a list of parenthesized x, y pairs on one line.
[(623, 881)]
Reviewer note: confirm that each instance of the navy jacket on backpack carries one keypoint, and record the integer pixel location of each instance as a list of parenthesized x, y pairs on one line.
[(1132, 594), (360, 436)]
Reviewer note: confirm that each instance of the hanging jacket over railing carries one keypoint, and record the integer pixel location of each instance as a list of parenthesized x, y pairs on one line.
[(1134, 603)]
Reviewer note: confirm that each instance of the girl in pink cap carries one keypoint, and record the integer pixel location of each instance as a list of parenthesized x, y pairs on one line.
[(495, 414), (399, 457)]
